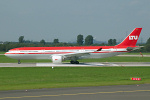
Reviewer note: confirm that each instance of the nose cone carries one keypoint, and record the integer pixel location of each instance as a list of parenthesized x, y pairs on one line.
[(7, 54), (10, 55)]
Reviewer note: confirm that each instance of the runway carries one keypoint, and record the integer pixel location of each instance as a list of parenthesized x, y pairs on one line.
[(93, 64), (123, 92)]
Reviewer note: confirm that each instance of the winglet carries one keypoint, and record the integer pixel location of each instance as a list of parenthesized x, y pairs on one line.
[(132, 38)]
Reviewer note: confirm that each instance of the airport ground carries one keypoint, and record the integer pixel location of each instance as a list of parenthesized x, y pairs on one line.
[(92, 64), (119, 92), (113, 74)]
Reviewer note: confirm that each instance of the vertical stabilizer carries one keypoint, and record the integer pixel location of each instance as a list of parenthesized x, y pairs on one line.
[(132, 38)]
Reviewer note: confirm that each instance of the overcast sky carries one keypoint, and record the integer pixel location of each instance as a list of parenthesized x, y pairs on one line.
[(65, 19)]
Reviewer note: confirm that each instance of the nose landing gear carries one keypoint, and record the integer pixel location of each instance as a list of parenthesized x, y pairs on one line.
[(19, 62)]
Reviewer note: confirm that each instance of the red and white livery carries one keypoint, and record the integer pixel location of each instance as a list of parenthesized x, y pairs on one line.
[(59, 54)]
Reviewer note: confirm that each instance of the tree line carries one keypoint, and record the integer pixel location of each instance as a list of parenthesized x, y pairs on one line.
[(80, 42)]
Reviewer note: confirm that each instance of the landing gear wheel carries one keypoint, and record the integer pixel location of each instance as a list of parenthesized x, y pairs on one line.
[(74, 62)]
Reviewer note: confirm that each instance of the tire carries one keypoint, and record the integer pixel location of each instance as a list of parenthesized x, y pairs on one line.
[(77, 62), (72, 62)]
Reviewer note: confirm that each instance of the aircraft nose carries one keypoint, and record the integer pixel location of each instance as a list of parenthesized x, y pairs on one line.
[(10, 55), (6, 54)]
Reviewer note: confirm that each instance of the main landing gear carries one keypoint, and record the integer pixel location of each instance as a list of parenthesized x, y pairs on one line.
[(74, 62)]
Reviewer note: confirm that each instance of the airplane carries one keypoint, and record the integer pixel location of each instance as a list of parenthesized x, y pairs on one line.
[(73, 53)]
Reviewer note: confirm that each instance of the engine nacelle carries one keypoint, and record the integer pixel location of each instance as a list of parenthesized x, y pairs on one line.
[(57, 59)]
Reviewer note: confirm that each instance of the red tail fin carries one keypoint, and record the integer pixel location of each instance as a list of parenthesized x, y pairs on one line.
[(132, 38)]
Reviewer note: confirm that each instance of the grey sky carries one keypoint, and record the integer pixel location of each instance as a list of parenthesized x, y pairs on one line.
[(65, 19)]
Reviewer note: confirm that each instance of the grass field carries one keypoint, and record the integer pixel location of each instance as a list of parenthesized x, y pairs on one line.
[(37, 78), (44, 77)]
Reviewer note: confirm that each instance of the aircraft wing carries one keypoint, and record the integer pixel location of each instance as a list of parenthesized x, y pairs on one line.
[(79, 54)]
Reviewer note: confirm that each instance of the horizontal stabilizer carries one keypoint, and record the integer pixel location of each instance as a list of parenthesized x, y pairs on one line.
[(134, 48)]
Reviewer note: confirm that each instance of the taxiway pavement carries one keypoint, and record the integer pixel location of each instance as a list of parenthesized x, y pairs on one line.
[(93, 64), (122, 92)]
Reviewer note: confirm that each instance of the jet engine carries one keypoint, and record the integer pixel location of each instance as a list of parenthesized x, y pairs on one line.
[(57, 59)]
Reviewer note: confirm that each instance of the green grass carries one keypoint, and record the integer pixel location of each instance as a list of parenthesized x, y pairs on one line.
[(43, 77), (1, 52)]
